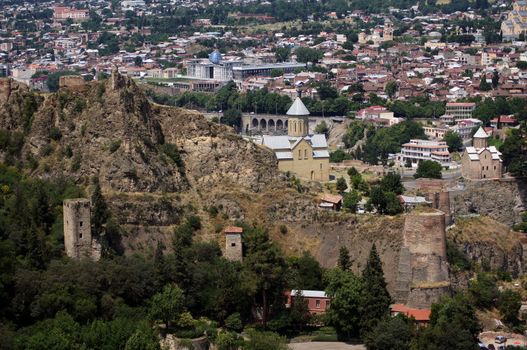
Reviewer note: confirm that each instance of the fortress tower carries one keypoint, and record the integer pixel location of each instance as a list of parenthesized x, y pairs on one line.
[(233, 243), (78, 240), (422, 276)]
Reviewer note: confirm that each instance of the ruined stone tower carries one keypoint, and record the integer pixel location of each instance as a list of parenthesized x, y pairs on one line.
[(233, 243), (388, 30), (422, 276), (78, 240)]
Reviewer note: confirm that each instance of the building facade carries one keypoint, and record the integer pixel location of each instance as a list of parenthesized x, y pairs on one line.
[(480, 161), (63, 13), (419, 150), (318, 302), (233, 243), (460, 110), (516, 22), (303, 154)]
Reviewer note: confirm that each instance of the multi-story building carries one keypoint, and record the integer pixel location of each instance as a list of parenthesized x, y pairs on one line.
[(63, 13), (460, 110), (418, 150), (242, 72), (379, 115), (464, 127)]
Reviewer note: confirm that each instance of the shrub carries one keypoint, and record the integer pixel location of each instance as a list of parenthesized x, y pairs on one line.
[(46, 150), (55, 134), (114, 146)]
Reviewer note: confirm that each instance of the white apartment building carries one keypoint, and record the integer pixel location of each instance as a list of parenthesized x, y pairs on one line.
[(460, 110), (418, 150)]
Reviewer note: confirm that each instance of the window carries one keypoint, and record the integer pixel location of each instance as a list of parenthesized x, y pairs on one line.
[(305, 154), (494, 167), (317, 304), (487, 167), (320, 166), (482, 168), (80, 224), (233, 244), (327, 304), (80, 235), (299, 154)]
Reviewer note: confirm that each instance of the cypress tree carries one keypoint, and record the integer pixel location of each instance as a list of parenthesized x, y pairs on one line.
[(344, 262), (99, 210), (376, 299)]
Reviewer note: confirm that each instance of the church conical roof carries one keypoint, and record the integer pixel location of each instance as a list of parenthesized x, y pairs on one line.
[(481, 134), (298, 108)]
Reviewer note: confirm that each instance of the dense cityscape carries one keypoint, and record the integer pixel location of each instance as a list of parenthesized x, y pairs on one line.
[(264, 174)]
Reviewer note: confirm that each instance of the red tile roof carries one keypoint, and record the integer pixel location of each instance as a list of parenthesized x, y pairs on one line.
[(232, 229), (420, 315)]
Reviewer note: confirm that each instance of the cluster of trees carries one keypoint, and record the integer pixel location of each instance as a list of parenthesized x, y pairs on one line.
[(383, 142), (428, 169), (417, 107)]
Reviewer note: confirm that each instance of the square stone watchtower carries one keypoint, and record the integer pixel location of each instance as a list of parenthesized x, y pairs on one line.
[(78, 240), (233, 243)]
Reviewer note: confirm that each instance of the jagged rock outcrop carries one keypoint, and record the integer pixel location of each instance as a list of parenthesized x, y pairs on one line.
[(489, 243), (502, 200)]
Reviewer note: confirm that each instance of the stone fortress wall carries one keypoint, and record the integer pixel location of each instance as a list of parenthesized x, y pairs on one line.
[(78, 240), (422, 276)]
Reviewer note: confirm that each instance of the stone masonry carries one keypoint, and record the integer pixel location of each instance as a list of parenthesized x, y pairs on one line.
[(422, 276), (233, 243), (78, 240)]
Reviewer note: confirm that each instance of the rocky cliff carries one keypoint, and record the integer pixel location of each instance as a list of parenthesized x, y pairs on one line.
[(503, 200)]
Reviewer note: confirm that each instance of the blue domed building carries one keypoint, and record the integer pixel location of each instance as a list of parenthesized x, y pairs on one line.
[(215, 57)]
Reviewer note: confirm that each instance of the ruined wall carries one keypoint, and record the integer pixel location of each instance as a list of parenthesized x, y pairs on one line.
[(233, 246), (72, 82), (422, 275), (78, 240)]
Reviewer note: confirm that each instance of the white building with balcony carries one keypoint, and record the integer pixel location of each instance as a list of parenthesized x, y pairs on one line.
[(418, 150)]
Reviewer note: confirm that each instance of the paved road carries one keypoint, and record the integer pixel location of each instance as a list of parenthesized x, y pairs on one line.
[(325, 346)]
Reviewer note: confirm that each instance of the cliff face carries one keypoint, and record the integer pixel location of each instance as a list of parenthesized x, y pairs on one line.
[(110, 130), (503, 200), (490, 243)]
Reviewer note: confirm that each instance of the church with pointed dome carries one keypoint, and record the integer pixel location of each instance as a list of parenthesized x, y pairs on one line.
[(299, 152), (481, 161)]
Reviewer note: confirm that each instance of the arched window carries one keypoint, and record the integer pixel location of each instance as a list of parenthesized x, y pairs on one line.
[(305, 154), (299, 154), (294, 124)]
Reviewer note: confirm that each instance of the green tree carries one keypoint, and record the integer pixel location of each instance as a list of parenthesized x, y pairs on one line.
[(428, 169), (342, 185), (346, 291), (143, 339), (282, 53), (307, 54), (266, 265), (484, 85), (378, 199), (138, 61), (322, 128), (100, 213), (391, 333), (228, 341), (391, 182), (521, 65), (344, 262), (483, 290), (393, 204), (232, 117), (351, 200), (352, 172), (509, 304), (391, 89), (376, 299), (168, 304), (453, 140), (300, 315), (265, 341), (305, 272)]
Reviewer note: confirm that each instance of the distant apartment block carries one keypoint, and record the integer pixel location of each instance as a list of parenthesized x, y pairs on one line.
[(130, 5), (419, 150), (460, 110), (63, 13)]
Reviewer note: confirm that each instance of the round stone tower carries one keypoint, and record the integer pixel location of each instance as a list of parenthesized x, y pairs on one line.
[(423, 268), (297, 121)]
